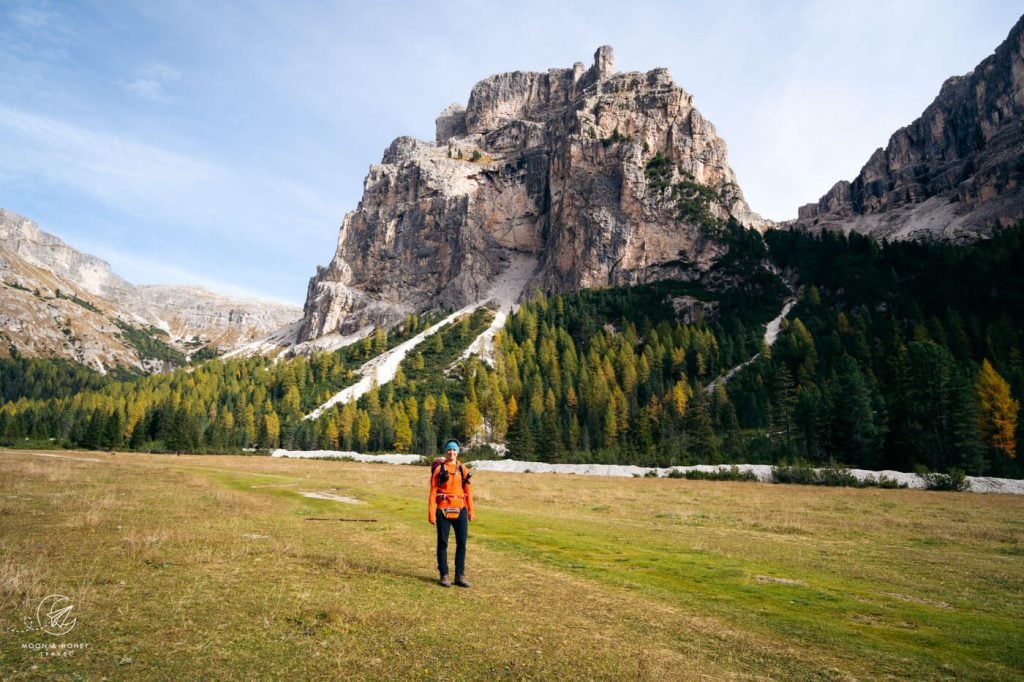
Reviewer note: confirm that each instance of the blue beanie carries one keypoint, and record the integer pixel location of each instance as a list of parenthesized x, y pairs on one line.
[(451, 444)]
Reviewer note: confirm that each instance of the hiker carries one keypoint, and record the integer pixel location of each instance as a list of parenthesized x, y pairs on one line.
[(450, 505)]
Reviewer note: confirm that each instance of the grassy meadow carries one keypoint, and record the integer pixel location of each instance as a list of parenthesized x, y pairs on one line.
[(216, 567)]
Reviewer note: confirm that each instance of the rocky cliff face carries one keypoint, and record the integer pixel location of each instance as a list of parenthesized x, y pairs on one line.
[(22, 237), (604, 178), (957, 172), (55, 300)]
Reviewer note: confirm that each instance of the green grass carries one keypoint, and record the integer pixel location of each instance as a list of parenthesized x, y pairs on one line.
[(218, 568)]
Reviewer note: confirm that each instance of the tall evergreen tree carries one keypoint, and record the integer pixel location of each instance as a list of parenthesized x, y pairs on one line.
[(854, 435)]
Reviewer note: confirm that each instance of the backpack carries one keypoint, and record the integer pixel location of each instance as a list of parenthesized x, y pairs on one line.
[(442, 477)]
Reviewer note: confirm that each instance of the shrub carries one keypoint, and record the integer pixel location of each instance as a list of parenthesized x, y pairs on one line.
[(733, 473), (837, 475), (883, 482), (954, 481), (659, 170), (799, 472), (615, 138)]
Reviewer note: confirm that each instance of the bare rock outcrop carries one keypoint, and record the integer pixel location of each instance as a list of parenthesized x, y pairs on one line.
[(957, 172), (608, 178)]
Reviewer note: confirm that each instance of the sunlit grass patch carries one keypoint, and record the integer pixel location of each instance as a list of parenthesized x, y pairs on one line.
[(216, 567)]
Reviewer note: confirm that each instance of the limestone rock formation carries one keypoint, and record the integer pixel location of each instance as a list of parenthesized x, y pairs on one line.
[(957, 172), (58, 301), (606, 178)]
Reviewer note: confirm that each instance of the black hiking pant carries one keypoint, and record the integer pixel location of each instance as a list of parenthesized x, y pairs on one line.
[(461, 526)]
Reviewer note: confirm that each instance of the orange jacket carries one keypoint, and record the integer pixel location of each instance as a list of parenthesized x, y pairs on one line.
[(452, 494)]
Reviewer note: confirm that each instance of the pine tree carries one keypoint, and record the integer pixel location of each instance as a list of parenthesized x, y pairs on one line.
[(521, 443), (113, 432), (854, 434), (783, 402), (703, 445), (680, 397), (425, 434)]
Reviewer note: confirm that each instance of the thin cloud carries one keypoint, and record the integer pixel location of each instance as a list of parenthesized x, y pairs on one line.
[(100, 164), (140, 178), (141, 268), (153, 82), (148, 89)]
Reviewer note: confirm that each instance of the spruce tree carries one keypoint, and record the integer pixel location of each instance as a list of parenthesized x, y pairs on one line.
[(854, 436)]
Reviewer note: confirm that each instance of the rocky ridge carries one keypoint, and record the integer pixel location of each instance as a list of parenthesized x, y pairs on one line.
[(957, 172), (605, 178), (59, 301)]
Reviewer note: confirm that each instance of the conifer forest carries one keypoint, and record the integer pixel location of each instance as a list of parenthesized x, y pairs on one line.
[(895, 356)]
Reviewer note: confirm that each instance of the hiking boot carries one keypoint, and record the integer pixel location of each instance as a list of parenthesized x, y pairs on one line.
[(445, 582), (460, 580)]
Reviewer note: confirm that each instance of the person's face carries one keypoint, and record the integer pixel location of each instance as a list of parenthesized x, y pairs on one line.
[(451, 454)]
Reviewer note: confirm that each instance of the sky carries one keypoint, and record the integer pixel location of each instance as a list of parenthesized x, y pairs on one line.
[(221, 143)]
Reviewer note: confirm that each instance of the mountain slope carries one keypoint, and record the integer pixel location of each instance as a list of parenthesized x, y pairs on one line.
[(57, 301), (957, 172), (41, 316)]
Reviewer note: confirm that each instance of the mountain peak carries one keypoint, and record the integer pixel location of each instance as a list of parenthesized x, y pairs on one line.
[(604, 178), (953, 173)]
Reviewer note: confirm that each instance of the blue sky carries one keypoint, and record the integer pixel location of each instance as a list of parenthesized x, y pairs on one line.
[(221, 143)]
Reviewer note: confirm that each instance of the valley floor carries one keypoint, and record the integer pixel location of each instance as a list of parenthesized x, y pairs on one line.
[(228, 567)]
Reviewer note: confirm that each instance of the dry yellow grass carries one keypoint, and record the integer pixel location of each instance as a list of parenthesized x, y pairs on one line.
[(210, 567)]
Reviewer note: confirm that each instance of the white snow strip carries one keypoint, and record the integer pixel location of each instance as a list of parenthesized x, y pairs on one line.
[(504, 294), (382, 368), (347, 454), (331, 342), (771, 333), (979, 484), (267, 344)]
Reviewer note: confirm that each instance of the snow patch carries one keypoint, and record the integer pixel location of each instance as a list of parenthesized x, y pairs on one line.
[(328, 343), (763, 472), (504, 294), (771, 333), (347, 454), (382, 369), (267, 344)]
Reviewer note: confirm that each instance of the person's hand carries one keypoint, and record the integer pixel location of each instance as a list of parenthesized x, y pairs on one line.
[(472, 517), (432, 521)]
